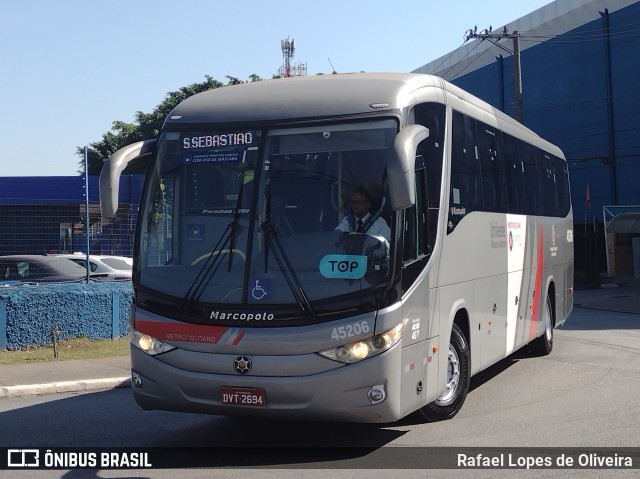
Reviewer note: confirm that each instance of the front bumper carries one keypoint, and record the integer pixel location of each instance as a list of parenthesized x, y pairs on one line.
[(339, 393)]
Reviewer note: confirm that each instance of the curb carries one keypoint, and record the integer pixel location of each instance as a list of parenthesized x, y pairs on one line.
[(64, 387)]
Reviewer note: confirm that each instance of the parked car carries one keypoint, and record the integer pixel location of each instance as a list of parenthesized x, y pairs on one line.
[(112, 268), (38, 269)]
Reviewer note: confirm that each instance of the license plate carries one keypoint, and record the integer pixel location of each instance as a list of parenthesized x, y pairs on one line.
[(243, 396)]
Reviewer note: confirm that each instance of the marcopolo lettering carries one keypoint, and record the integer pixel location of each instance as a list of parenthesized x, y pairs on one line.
[(237, 316), (344, 266)]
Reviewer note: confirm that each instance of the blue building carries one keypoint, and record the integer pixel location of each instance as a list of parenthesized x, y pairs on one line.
[(41, 215), (579, 73)]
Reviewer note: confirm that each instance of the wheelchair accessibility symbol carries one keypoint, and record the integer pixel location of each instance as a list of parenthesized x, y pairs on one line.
[(260, 288)]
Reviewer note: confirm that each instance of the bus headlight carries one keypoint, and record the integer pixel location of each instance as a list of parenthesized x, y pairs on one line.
[(354, 352), (148, 344)]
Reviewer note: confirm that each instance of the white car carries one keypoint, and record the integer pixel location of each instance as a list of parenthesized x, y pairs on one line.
[(112, 268)]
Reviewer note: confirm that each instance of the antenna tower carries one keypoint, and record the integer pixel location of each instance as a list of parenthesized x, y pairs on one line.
[(287, 69)]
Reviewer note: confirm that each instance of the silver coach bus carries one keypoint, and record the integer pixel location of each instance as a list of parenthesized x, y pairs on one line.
[(255, 294)]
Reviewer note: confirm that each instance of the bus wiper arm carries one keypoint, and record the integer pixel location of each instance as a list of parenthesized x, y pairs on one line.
[(289, 273), (236, 213), (235, 225), (209, 268)]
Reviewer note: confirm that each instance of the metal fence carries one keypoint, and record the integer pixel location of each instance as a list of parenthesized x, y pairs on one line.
[(60, 226)]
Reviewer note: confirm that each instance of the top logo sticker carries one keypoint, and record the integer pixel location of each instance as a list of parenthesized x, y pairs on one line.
[(343, 266)]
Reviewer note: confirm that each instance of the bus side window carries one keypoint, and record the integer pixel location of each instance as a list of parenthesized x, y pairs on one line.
[(556, 188), (562, 179), (549, 191), (466, 194), (514, 172), (532, 182), (494, 191)]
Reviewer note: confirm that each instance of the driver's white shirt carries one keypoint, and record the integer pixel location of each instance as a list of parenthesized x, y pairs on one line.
[(378, 228)]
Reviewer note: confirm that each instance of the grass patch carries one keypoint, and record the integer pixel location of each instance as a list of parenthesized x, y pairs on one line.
[(79, 348)]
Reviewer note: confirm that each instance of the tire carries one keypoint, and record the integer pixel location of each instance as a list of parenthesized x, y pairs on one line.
[(458, 378), (543, 345)]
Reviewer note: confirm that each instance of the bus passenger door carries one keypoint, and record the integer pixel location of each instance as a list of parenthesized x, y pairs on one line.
[(419, 331)]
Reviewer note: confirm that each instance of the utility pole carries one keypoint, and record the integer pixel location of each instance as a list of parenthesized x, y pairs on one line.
[(517, 72), (611, 130)]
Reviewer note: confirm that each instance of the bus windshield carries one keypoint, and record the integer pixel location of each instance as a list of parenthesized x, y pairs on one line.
[(268, 217)]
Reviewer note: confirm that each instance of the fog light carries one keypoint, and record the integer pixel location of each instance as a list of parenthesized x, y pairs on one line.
[(377, 394), (136, 380)]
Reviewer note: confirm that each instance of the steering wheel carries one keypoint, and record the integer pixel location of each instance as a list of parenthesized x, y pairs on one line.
[(220, 251)]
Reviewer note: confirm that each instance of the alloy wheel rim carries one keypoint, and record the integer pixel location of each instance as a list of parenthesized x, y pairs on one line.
[(453, 378)]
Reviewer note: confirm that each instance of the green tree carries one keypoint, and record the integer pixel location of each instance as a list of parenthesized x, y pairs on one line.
[(145, 126)]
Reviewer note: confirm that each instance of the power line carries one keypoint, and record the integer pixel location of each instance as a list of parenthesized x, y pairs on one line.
[(618, 31), (448, 56), (460, 61), (567, 37)]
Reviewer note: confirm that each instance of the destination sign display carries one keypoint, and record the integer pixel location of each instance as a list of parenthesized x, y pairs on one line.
[(217, 140)]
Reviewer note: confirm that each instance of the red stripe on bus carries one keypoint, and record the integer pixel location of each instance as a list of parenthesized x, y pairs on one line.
[(537, 291), (196, 333), (238, 338)]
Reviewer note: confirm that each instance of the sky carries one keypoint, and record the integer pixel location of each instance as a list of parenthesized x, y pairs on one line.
[(70, 68)]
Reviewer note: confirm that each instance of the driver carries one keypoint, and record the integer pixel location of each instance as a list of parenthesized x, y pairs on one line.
[(361, 220)]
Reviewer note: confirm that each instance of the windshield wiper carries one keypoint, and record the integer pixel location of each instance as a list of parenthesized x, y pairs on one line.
[(273, 242), (235, 223), (211, 265), (209, 268)]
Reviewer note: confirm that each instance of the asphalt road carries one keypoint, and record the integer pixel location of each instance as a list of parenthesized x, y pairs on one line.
[(585, 394)]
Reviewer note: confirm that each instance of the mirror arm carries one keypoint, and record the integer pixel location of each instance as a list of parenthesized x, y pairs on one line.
[(401, 171), (111, 171)]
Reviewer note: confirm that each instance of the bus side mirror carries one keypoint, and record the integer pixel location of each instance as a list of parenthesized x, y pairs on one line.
[(401, 169), (111, 171)]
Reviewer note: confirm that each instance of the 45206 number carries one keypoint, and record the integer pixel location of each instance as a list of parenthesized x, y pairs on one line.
[(350, 330)]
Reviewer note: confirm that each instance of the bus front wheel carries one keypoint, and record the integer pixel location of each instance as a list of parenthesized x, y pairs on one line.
[(458, 377)]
